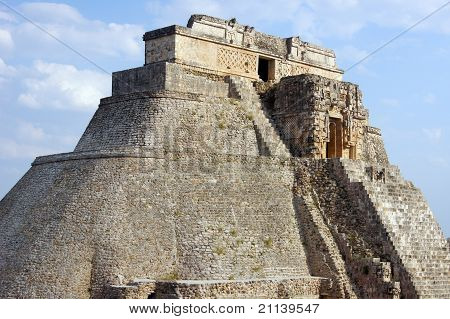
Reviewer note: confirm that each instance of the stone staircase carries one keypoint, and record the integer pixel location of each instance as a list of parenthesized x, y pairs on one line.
[(242, 89), (322, 227), (409, 222)]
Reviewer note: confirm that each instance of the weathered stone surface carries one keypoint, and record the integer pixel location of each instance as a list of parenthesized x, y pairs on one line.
[(87, 221), (226, 47), (222, 169), (299, 287), (314, 113)]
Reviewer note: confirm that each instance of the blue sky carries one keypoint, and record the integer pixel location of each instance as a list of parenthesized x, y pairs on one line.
[(48, 94)]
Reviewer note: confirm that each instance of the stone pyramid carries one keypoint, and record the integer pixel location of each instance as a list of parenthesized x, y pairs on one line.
[(233, 164)]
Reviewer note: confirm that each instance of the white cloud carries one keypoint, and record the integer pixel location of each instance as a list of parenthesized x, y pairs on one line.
[(65, 140), (6, 41), (62, 86), (351, 53), (312, 19), (45, 11), (390, 102), (433, 134), (250, 12), (10, 149), (28, 100), (438, 161), (92, 38), (32, 132), (429, 98), (345, 18), (29, 140), (6, 70), (10, 171), (5, 16), (28, 131)]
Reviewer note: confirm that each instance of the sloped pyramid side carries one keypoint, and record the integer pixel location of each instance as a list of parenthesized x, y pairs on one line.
[(136, 201)]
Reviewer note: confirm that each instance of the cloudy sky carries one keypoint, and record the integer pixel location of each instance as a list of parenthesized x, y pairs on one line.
[(48, 93)]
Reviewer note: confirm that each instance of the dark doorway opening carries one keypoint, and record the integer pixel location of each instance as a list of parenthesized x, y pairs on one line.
[(334, 146), (263, 69)]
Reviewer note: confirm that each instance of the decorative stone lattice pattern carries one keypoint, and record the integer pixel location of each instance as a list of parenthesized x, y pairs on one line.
[(236, 60)]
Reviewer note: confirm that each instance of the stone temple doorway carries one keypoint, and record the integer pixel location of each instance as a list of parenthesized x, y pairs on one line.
[(266, 69), (335, 144)]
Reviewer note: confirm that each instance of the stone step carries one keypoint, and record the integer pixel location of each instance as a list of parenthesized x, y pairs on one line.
[(332, 249), (244, 89), (416, 236)]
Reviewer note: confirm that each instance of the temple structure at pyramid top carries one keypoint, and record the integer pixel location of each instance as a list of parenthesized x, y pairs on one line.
[(225, 46)]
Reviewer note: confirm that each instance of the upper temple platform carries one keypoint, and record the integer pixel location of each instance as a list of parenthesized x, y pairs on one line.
[(198, 58), (224, 47)]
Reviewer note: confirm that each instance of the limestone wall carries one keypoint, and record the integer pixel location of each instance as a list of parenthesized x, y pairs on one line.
[(323, 254), (373, 150), (293, 49), (129, 205), (410, 226), (147, 78), (231, 59), (303, 108), (160, 76), (354, 232), (171, 122), (195, 48), (296, 288), (80, 232), (161, 50), (375, 221)]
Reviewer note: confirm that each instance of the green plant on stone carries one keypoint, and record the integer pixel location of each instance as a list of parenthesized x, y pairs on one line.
[(171, 276), (178, 213), (257, 269), (268, 242), (222, 125), (352, 238), (219, 251)]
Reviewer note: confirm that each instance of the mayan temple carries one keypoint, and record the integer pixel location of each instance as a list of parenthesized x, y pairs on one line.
[(233, 164)]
